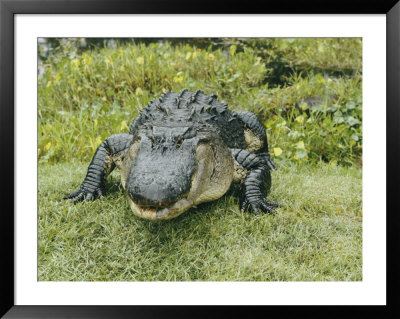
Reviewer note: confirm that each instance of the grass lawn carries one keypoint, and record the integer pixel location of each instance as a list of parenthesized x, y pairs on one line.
[(316, 236)]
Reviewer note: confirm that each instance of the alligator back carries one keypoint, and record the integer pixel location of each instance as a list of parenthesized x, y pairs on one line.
[(196, 110)]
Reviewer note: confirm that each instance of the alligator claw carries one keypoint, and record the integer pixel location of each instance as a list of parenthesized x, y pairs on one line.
[(99, 193), (89, 197), (78, 198), (257, 206), (267, 207), (244, 205), (271, 203), (81, 194), (73, 194)]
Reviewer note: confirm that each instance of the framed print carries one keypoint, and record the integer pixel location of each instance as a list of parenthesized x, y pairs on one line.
[(250, 147)]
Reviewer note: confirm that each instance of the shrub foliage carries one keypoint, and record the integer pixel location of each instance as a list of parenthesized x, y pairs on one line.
[(86, 95)]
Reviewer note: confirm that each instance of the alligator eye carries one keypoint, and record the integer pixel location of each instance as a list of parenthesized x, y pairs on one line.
[(205, 139), (179, 141)]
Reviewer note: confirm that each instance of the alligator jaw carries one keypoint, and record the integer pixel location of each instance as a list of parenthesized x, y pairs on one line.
[(161, 213)]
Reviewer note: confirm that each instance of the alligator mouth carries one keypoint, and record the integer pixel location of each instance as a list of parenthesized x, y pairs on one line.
[(162, 212)]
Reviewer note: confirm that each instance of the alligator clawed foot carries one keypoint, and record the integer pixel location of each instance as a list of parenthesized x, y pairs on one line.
[(261, 205), (82, 194)]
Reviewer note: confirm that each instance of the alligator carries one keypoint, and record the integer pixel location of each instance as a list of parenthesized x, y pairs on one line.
[(184, 149)]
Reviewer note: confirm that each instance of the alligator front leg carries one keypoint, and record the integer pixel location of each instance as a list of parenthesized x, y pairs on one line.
[(256, 180), (103, 162)]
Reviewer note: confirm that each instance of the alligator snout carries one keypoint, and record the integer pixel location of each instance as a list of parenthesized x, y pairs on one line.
[(160, 176), (155, 194)]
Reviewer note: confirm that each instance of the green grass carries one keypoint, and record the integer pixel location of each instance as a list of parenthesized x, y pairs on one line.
[(316, 236)]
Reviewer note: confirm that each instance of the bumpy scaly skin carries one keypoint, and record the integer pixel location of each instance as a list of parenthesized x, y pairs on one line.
[(257, 182), (101, 165), (177, 155), (258, 163)]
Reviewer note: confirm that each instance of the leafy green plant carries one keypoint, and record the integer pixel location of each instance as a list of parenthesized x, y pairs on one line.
[(330, 131), (85, 96), (283, 56)]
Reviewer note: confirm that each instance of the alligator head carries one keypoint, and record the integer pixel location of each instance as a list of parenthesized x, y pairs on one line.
[(170, 169)]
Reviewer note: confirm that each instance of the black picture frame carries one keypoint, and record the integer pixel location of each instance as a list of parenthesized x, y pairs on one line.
[(8, 10)]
